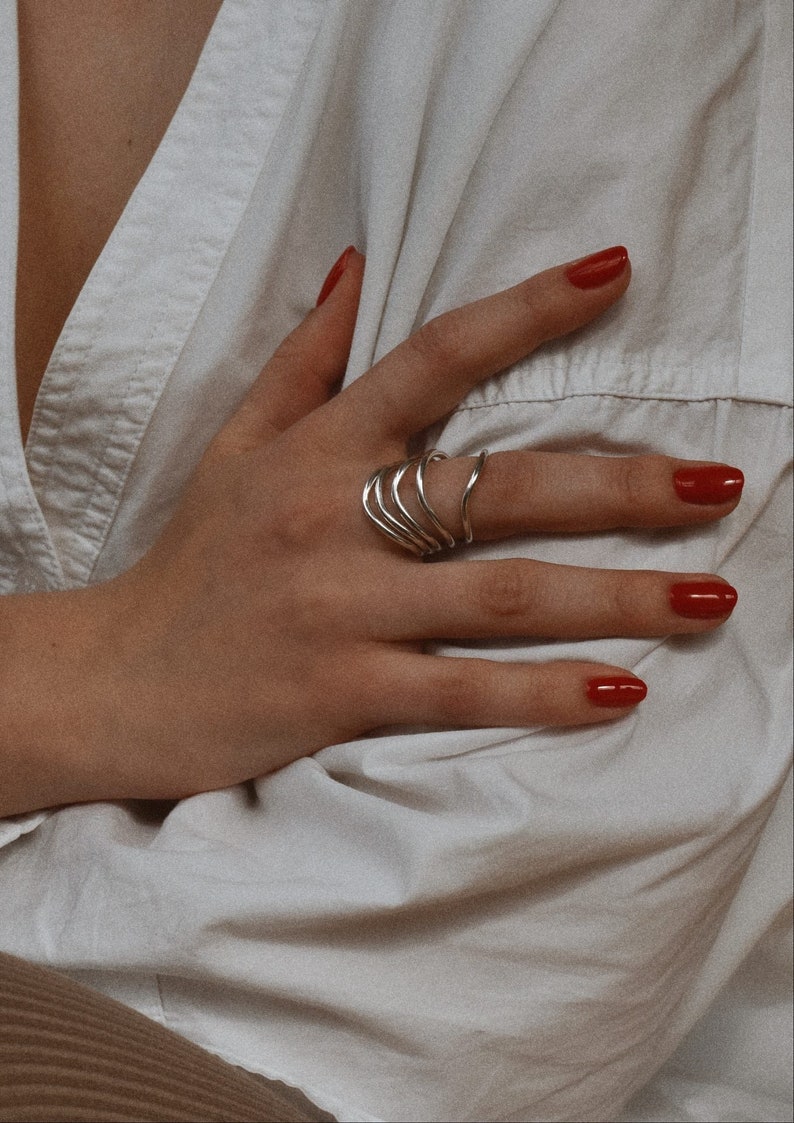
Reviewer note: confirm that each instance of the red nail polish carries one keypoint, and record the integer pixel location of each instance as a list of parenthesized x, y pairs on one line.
[(331, 281), (598, 269), (616, 691), (703, 600), (710, 483)]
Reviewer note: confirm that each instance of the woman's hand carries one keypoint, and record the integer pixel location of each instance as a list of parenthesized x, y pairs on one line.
[(272, 618)]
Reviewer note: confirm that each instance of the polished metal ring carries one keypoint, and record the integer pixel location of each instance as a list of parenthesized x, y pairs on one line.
[(465, 518), (387, 510)]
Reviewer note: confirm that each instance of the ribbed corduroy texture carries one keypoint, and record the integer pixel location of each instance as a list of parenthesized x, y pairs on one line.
[(68, 1055)]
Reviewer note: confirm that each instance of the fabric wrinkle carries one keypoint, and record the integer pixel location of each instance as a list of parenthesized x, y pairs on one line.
[(511, 923)]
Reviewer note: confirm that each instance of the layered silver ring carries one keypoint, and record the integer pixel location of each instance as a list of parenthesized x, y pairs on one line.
[(386, 508)]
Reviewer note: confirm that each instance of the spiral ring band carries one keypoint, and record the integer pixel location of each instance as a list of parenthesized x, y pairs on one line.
[(393, 518)]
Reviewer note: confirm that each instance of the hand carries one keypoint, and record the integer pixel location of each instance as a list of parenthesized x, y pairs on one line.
[(272, 618)]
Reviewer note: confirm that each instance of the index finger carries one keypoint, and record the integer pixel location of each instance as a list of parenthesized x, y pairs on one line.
[(425, 377)]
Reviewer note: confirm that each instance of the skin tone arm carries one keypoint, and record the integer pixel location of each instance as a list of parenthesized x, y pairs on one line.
[(271, 619)]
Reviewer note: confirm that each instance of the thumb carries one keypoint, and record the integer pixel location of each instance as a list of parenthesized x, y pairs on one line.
[(306, 366)]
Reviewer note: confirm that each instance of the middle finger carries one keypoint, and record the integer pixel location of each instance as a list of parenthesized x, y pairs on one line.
[(518, 597)]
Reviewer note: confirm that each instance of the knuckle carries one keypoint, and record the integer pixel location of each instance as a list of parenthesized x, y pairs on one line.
[(506, 593), (545, 319), (287, 355), (377, 689), (635, 482), (313, 609), (625, 604), (438, 343), (297, 521)]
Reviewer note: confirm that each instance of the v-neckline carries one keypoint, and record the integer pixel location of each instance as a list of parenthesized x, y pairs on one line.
[(129, 322), (99, 87), (117, 245)]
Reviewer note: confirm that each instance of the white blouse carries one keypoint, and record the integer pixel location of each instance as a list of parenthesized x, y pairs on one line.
[(486, 924)]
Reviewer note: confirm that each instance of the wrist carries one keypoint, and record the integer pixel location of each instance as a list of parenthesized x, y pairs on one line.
[(52, 711)]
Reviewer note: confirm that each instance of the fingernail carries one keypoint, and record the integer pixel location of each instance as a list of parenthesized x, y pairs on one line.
[(331, 281), (598, 269), (710, 483), (703, 600), (616, 691)]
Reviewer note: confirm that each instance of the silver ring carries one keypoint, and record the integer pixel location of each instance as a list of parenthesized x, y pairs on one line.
[(385, 508), (468, 534)]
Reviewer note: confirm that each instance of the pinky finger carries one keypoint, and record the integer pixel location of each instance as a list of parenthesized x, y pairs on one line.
[(474, 693)]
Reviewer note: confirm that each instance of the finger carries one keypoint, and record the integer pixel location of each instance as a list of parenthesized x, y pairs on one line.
[(517, 597), (307, 366), (473, 693), (517, 492), (428, 375)]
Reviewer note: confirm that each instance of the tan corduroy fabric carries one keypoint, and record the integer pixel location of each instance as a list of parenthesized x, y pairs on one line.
[(69, 1054)]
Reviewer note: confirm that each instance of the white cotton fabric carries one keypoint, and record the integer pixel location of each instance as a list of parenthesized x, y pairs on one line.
[(501, 924)]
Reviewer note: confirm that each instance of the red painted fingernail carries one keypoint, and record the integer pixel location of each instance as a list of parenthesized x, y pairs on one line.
[(703, 600), (598, 269), (331, 281), (710, 483), (616, 691)]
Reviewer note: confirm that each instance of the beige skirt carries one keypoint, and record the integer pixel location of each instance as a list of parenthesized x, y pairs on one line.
[(69, 1054)]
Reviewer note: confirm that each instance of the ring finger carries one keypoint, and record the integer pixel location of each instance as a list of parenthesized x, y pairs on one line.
[(518, 492)]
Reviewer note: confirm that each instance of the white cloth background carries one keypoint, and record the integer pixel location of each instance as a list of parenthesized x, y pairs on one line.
[(501, 924)]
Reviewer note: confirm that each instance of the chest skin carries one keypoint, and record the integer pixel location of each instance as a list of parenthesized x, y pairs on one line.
[(100, 81)]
